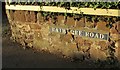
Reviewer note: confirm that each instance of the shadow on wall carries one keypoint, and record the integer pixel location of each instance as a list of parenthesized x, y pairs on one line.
[(4, 15), (5, 21)]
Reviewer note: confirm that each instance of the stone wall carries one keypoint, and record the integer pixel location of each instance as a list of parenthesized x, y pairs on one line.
[(31, 29)]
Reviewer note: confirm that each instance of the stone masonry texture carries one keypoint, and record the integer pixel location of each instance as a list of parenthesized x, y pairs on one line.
[(30, 29)]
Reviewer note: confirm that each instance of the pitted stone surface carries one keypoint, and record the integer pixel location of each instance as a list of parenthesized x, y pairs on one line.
[(102, 26), (29, 29)]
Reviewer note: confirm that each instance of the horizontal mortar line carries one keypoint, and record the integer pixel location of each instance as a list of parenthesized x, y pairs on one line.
[(88, 11)]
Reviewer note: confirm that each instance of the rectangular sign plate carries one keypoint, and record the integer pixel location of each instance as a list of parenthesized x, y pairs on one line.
[(81, 33)]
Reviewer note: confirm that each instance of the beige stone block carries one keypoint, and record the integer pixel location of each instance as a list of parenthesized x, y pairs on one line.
[(79, 55), (73, 47), (87, 42), (33, 16), (117, 44), (79, 40), (115, 37), (89, 24), (30, 45), (39, 18), (80, 23), (27, 28), (21, 15), (27, 16), (35, 26), (11, 15), (70, 22), (101, 25), (117, 25), (103, 45), (95, 53), (84, 48), (45, 31), (113, 31), (68, 38), (60, 19), (117, 53)]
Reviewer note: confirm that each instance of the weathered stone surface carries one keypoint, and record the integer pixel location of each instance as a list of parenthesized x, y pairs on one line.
[(80, 23), (89, 25), (35, 26), (28, 40), (68, 38), (79, 40), (30, 45), (52, 21), (113, 31), (117, 26), (26, 28), (87, 42), (102, 26), (37, 35), (45, 31), (8, 14), (39, 18), (11, 15), (84, 48), (103, 45), (87, 54), (21, 15), (95, 53), (33, 16), (115, 37), (70, 22), (40, 44), (117, 53), (27, 16), (67, 52), (73, 46), (60, 20), (117, 44), (79, 55)]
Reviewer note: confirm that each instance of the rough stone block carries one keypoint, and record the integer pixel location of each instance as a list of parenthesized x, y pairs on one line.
[(117, 53), (33, 16), (117, 44), (21, 15), (80, 23), (103, 45), (102, 26), (113, 31), (45, 31), (60, 20), (11, 15), (73, 46), (79, 55), (70, 22), (27, 16), (84, 48), (35, 26), (37, 35), (115, 37), (39, 18), (89, 25), (95, 53), (79, 40), (26, 28), (68, 38), (30, 45), (117, 26), (87, 42)]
